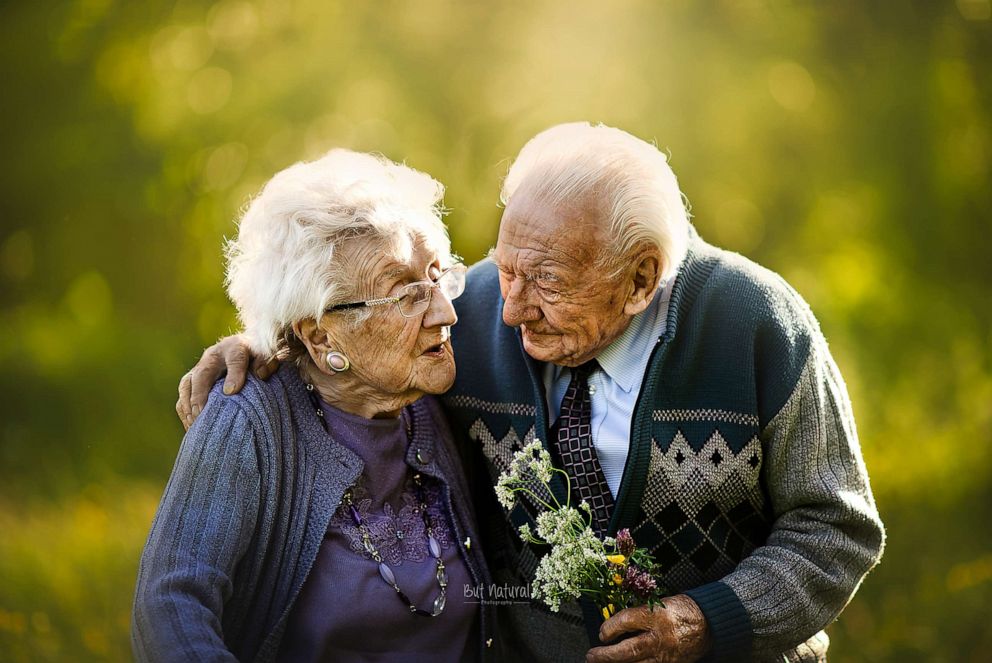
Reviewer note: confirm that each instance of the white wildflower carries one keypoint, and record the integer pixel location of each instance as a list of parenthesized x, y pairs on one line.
[(562, 572), (559, 526), (505, 492)]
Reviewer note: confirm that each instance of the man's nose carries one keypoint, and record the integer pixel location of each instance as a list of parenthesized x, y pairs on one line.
[(441, 312), (517, 307)]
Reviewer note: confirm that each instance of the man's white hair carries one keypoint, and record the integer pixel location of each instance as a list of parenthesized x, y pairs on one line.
[(287, 262), (631, 178)]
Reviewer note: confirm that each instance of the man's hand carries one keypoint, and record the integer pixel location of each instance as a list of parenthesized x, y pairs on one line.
[(676, 633), (228, 355)]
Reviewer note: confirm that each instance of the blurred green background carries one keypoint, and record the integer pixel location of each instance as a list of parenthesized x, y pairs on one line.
[(846, 145)]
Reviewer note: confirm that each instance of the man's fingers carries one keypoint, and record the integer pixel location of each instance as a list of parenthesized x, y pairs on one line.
[(638, 648), (264, 368), (183, 404), (236, 358), (211, 366), (182, 416), (229, 355), (199, 389), (625, 621)]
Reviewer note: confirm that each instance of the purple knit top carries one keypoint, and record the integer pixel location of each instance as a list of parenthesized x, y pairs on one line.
[(345, 611)]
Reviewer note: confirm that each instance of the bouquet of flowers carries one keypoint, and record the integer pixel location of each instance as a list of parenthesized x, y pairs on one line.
[(612, 572)]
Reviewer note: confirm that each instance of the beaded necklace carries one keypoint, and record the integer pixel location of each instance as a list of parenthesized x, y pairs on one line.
[(385, 572)]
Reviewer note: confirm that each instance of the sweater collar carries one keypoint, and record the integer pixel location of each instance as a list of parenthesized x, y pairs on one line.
[(695, 271), (623, 359), (309, 424), (421, 454)]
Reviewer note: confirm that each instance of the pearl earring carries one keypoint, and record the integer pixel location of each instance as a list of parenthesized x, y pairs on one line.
[(337, 362)]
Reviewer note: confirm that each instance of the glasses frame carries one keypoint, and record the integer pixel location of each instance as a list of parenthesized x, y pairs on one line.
[(383, 301)]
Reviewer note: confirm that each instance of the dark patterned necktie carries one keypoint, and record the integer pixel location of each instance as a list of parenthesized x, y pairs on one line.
[(572, 435)]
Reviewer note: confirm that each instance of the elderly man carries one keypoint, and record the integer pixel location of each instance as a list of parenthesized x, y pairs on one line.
[(688, 393)]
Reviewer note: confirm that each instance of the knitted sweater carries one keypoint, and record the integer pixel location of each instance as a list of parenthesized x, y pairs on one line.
[(244, 513), (744, 475)]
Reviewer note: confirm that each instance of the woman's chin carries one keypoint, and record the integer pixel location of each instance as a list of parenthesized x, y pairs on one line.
[(438, 376)]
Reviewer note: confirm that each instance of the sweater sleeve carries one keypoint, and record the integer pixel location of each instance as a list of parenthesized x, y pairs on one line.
[(826, 533), (202, 529)]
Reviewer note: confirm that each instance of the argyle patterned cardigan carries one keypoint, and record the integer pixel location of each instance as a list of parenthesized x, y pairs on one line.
[(744, 476)]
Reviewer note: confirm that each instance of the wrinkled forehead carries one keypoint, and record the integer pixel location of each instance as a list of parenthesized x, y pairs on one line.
[(416, 256), (368, 261), (533, 229)]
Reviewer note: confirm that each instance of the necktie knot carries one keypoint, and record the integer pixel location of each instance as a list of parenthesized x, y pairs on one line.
[(583, 371)]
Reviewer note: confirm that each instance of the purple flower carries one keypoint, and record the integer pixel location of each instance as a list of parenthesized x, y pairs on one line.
[(625, 543), (640, 583)]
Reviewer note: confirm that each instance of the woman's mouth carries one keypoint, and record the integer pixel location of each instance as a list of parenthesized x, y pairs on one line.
[(435, 351)]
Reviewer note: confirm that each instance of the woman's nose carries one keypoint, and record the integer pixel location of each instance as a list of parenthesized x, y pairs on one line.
[(441, 312)]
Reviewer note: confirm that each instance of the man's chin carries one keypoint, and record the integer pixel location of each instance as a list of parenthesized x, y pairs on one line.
[(548, 353)]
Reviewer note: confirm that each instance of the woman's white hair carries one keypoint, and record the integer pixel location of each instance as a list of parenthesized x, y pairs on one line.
[(631, 178), (287, 262)]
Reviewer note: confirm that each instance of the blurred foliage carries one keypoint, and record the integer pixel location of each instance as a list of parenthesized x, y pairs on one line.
[(846, 145)]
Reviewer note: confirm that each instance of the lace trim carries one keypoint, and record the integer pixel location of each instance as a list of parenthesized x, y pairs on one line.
[(398, 535)]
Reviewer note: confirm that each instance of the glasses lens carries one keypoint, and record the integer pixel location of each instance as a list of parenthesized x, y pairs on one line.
[(416, 298), (452, 282)]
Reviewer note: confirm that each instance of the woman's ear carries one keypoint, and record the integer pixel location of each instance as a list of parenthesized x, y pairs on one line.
[(315, 338), (644, 279)]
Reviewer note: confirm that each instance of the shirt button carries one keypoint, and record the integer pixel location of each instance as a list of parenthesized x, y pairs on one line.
[(592, 390)]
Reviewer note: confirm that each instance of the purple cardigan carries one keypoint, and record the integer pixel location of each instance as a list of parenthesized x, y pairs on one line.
[(244, 513)]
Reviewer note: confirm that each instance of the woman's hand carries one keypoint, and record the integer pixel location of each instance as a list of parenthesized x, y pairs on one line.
[(676, 633), (228, 355)]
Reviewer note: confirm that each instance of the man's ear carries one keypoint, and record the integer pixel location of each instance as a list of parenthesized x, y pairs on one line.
[(643, 279)]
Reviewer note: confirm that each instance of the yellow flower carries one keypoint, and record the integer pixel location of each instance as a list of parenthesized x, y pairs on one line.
[(616, 559), (617, 580), (608, 611)]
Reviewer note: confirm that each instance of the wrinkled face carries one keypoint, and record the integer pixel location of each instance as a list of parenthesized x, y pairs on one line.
[(393, 355), (567, 309)]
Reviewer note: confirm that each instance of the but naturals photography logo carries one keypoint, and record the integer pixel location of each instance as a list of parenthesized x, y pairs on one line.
[(494, 594)]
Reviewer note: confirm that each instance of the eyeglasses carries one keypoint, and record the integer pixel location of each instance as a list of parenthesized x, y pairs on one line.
[(416, 297)]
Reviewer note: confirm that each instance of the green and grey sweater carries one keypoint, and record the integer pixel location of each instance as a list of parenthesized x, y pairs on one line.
[(744, 475)]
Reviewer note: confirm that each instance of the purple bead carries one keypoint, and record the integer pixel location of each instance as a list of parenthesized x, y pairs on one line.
[(355, 515), (435, 547), (387, 573)]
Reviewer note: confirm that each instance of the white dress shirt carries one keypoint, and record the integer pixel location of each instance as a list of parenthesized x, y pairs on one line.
[(615, 385)]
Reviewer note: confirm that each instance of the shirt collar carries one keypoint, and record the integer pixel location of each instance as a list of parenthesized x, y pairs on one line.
[(623, 359)]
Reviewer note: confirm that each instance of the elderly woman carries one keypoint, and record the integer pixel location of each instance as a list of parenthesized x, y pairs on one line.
[(323, 514)]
